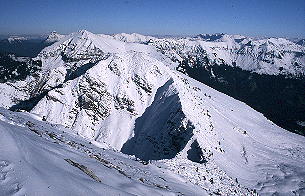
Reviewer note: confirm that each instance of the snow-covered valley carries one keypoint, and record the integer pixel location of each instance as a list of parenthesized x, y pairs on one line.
[(111, 115)]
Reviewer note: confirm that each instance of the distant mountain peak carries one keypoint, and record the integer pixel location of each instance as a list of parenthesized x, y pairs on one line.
[(12, 39), (133, 37), (53, 37), (84, 31), (210, 37)]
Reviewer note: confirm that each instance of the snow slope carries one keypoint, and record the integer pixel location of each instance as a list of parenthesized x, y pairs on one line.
[(224, 133), (126, 97), (37, 158)]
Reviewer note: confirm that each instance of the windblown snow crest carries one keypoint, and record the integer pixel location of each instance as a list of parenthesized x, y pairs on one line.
[(126, 97)]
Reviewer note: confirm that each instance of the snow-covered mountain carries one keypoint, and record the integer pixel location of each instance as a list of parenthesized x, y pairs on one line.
[(247, 69), (219, 37), (134, 37), (12, 39), (271, 56), (53, 37), (38, 158), (129, 97)]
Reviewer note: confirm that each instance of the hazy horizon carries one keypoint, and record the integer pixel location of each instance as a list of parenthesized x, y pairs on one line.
[(44, 35)]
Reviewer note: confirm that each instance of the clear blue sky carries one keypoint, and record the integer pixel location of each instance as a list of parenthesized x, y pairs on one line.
[(170, 17)]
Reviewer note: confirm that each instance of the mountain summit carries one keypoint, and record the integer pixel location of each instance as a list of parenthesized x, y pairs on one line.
[(53, 37)]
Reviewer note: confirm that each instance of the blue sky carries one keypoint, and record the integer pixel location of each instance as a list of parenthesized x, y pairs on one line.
[(164, 17)]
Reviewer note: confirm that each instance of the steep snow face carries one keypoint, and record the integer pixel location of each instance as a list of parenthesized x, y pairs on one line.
[(103, 103), (53, 37), (235, 136), (98, 85), (163, 130), (125, 96), (190, 121)]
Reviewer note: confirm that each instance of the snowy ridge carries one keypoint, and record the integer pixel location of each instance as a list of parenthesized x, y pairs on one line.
[(271, 56), (126, 96), (219, 37), (134, 37)]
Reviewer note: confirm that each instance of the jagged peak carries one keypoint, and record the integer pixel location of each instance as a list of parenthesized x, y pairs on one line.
[(54, 37), (53, 32), (210, 37), (132, 37), (85, 32), (83, 40)]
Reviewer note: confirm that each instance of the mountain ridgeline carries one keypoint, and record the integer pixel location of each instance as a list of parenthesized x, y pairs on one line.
[(251, 71), (124, 93), (279, 97), (267, 74)]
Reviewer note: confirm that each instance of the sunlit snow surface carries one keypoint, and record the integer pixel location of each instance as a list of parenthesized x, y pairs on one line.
[(272, 56), (126, 97), (32, 162)]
